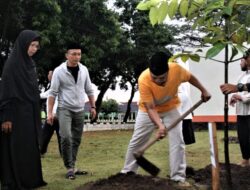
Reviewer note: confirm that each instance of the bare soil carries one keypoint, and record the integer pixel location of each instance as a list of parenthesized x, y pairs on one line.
[(200, 179)]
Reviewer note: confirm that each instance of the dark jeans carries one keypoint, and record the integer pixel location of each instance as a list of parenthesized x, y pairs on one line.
[(243, 129), (47, 133)]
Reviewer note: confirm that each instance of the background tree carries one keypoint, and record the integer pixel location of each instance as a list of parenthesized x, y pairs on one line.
[(109, 106), (144, 41), (90, 23), (16, 15), (225, 24)]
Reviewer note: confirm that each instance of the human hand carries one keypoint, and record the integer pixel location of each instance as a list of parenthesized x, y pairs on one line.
[(93, 113), (228, 88), (161, 133), (205, 96), (6, 127), (232, 101), (50, 119)]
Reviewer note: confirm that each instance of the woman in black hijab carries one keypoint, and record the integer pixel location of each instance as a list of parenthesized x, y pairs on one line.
[(20, 117)]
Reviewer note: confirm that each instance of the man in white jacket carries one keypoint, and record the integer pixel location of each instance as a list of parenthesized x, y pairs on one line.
[(70, 83)]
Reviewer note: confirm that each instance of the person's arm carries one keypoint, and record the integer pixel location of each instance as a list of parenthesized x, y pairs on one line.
[(53, 94), (205, 95), (232, 88), (8, 108), (51, 102), (92, 106), (154, 116)]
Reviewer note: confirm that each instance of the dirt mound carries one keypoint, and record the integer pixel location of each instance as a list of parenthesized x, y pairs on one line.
[(240, 177), (199, 178), (128, 182)]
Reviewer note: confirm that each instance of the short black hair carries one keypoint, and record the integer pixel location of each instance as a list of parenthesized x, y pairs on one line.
[(159, 63), (73, 45)]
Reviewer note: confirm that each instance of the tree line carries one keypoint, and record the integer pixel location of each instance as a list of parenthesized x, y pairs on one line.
[(116, 42)]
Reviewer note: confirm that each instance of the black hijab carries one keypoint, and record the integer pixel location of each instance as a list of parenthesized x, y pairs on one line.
[(19, 79)]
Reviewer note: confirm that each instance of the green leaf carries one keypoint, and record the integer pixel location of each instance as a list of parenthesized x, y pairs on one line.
[(215, 50), (241, 48), (143, 5), (214, 5), (173, 7), (195, 57), (234, 52), (242, 2), (163, 11), (184, 58), (192, 9), (232, 3), (228, 11), (199, 50), (184, 7), (154, 3), (153, 15)]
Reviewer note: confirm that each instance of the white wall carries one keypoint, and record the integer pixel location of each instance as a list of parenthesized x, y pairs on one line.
[(211, 74)]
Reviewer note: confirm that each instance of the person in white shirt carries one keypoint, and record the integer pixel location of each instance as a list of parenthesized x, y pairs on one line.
[(186, 103), (48, 129), (242, 101)]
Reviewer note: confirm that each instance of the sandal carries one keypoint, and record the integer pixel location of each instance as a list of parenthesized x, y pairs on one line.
[(79, 172), (70, 175)]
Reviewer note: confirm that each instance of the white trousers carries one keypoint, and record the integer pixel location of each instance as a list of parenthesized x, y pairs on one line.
[(143, 129)]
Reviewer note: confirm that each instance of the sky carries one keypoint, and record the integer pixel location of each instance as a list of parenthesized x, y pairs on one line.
[(118, 94)]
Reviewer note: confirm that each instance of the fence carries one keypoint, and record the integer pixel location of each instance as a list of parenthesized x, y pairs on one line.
[(112, 122)]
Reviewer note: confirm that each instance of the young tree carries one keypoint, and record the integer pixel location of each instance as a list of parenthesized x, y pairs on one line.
[(225, 24)]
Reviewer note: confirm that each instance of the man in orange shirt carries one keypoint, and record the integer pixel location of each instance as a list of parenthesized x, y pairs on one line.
[(158, 108)]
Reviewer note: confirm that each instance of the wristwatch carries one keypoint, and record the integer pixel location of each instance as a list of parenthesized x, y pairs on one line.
[(240, 87)]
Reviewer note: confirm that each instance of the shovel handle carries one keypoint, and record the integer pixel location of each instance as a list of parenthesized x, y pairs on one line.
[(152, 141), (185, 114)]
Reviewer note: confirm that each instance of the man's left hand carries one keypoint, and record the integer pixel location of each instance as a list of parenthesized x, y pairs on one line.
[(93, 113)]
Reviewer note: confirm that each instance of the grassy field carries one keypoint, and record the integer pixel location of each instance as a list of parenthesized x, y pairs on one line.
[(102, 154)]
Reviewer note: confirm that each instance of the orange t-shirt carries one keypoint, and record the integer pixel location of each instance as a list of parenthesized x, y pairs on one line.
[(164, 97)]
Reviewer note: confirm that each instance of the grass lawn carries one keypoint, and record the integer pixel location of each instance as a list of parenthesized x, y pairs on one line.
[(102, 154)]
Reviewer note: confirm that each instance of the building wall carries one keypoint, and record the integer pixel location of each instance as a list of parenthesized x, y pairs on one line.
[(211, 74)]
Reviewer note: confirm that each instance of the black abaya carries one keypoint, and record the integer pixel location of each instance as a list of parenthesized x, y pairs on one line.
[(19, 104)]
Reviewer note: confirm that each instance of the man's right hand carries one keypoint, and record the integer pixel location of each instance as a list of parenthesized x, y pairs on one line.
[(161, 133)]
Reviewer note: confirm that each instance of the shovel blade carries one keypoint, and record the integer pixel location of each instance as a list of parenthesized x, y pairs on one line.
[(147, 165)]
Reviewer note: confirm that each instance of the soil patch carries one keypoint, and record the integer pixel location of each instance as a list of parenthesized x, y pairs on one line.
[(200, 179)]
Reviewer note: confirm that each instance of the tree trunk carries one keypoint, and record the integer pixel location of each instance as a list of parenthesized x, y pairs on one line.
[(226, 148), (98, 102), (129, 103)]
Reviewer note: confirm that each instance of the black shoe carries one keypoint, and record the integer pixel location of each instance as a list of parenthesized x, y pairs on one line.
[(128, 173)]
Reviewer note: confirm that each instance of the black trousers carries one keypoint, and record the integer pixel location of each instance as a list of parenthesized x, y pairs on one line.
[(47, 133), (243, 130), (188, 131)]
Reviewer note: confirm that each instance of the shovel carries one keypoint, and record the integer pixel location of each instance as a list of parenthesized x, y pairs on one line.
[(143, 162)]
